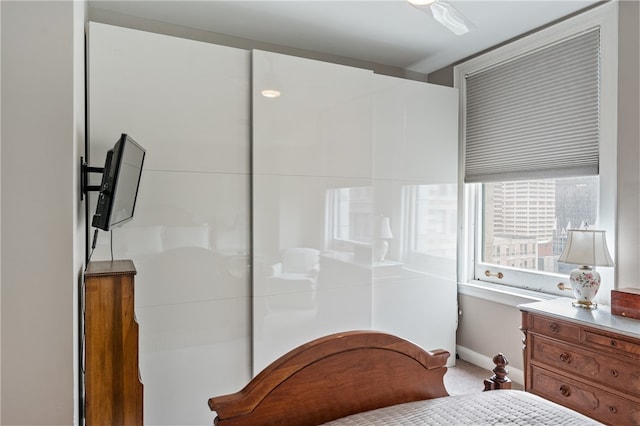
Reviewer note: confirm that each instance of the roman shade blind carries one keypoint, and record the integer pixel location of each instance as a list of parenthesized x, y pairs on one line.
[(536, 115)]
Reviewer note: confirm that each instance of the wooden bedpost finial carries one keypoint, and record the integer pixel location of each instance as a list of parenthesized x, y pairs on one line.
[(499, 380)]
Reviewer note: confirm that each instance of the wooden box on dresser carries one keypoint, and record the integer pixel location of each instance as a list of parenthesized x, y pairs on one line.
[(587, 360)]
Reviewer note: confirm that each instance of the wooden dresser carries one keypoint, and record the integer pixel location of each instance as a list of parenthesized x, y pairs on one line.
[(113, 391), (587, 360)]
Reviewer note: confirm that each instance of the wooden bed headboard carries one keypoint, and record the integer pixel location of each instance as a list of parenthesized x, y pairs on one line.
[(335, 376)]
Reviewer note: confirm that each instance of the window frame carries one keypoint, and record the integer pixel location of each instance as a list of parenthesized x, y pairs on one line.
[(535, 282)]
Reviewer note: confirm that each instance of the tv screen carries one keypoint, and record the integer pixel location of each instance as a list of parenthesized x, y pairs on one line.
[(120, 182)]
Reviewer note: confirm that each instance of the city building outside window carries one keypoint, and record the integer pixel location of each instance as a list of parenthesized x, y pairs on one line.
[(525, 223)]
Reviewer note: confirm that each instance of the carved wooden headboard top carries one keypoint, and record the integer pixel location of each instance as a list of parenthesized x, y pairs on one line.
[(335, 376)]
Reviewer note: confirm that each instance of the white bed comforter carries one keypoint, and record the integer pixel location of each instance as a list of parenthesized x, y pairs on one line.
[(498, 407)]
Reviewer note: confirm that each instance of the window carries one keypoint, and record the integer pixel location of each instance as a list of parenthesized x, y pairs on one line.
[(538, 136)]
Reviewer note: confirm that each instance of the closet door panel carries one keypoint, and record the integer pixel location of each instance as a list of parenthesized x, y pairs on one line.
[(188, 104), (320, 125), (193, 94), (416, 131), (415, 187), (188, 247), (312, 202), (186, 356)]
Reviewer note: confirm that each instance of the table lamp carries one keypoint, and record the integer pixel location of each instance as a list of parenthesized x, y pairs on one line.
[(587, 248), (383, 239)]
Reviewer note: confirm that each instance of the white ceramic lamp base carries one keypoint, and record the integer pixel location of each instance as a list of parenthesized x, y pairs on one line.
[(381, 250), (585, 283)]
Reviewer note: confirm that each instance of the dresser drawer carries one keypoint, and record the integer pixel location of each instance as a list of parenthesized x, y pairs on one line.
[(613, 344), (606, 370), (554, 328), (596, 403)]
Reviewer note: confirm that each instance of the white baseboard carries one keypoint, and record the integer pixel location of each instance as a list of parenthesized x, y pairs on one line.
[(515, 374)]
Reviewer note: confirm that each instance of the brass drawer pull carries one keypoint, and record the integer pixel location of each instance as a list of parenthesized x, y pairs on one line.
[(565, 390), (614, 373), (554, 327), (499, 275), (613, 410), (614, 343), (565, 357)]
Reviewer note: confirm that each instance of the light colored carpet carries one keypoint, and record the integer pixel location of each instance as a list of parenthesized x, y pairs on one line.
[(467, 378)]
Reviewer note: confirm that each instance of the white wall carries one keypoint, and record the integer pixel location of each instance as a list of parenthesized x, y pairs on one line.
[(42, 134), (628, 231)]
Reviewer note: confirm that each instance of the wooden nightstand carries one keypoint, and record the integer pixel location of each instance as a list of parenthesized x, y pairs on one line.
[(587, 360)]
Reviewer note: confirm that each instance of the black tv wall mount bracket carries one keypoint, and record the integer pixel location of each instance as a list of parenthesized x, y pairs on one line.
[(85, 169)]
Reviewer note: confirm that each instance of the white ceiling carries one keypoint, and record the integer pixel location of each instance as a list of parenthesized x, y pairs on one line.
[(385, 32)]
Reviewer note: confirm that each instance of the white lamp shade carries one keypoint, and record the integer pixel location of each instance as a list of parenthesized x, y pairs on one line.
[(586, 247), (385, 229)]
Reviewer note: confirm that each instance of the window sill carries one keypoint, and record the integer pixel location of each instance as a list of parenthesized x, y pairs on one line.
[(505, 295)]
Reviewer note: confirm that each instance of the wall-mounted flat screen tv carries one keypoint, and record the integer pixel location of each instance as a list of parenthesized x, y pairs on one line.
[(120, 183)]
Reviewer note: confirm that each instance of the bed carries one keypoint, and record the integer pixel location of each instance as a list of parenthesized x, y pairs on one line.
[(374, 378)]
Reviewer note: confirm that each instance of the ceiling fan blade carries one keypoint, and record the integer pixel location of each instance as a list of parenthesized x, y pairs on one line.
[(445, 14), (449, 16)]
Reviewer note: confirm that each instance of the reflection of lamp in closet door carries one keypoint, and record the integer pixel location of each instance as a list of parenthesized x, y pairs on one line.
[(383, 239)]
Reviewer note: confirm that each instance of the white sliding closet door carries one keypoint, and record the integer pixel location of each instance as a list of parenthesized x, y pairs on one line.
[(300, 188), (415, 181), (187, 103), (342, 160), (312, 202)]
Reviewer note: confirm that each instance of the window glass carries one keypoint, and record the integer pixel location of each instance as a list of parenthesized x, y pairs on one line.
[(524, 223)]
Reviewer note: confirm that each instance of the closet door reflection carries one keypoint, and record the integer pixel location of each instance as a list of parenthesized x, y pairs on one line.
[(312, 202)]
